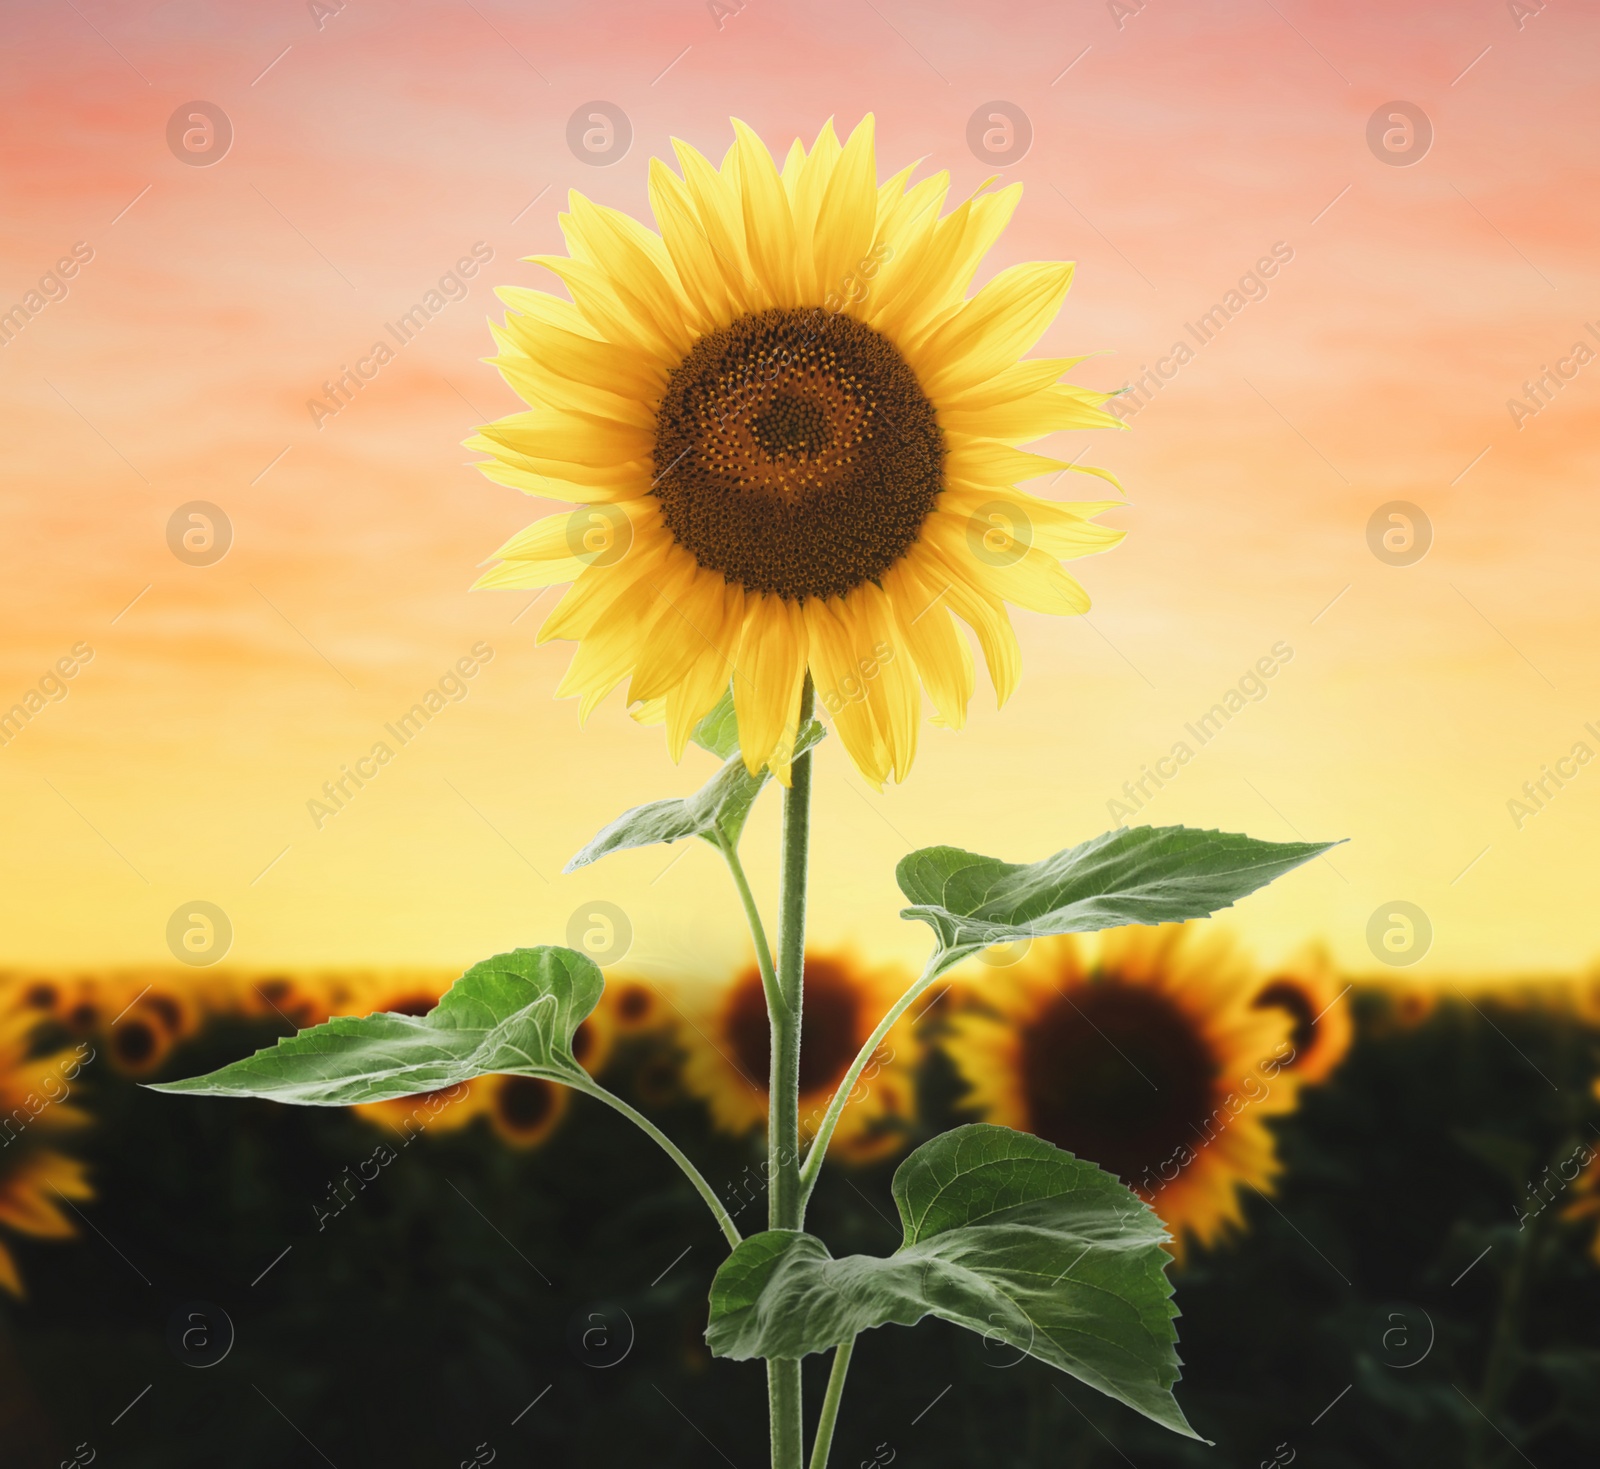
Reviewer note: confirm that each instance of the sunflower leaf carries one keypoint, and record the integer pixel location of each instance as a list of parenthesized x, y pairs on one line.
[(719, 730), (1005, 1234), (515, 1013), (1138, 874), (722, 805)]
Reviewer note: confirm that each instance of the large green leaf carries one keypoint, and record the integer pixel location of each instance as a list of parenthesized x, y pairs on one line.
[(514, 1013), (1006, 1235), (722, 805), (1139, 874)]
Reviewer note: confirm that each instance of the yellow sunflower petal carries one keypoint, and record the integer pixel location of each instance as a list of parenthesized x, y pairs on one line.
[(774, 649), (1016, 572), (28, 1193), (537, 384), (989, 463), (547, 310), (546, 356), (556, 480), (697, 692), (991, 331), (888, 673), (939, 652), (593, 594), (842, 691), (1064, 530), (10, 1276), (983, 612), (847, 222), (933, 276), (596, 297), (805, 178), (1020, 380), (1059, 407), (693, 256), (635, 265), (610, 648), (688, 628), (716, 201), (768, 223)]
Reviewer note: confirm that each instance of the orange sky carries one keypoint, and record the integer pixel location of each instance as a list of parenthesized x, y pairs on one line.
[(1169, 156)]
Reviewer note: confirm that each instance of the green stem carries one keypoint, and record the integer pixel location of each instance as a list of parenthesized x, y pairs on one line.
[(830, 1404), (1501, 1368), (724, 1219), (785, 1207), (758, 932), (841, 1095)]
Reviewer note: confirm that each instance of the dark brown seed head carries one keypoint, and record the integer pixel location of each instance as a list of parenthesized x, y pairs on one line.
[(796, 454), (1118, 1074)]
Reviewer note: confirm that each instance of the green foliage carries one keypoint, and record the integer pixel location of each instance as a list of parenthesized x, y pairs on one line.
[(515, 1013), (1004, 1234), (1140, 874), (720, 807), (719, 730)]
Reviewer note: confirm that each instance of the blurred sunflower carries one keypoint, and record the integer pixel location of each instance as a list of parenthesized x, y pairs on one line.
[(34, 1101), (27, 1205), (634, 1005), (1311, 994), (1152, 1061), (144, 1017), (727, 1044), (75, 1004), (795, 435), (298, 1000), (524, 1110)]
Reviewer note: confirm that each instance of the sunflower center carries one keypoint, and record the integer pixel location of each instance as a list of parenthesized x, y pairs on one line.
[(829, 1025), (1286, 995), (796, 453), (1118, 1074), (524, 1102)]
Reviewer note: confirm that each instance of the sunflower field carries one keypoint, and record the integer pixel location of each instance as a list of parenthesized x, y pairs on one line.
[(1385, 1198)]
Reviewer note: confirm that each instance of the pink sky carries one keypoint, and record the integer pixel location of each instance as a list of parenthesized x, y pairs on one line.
[(1169, 155)]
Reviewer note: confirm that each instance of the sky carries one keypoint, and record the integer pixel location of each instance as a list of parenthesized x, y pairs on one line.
[(349, 159)]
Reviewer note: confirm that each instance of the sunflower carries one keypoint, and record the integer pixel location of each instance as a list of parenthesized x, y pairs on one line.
[(29, 1189), (145, 1017), (1151, 1061), (1311, 994), (794, 438), (35, 1092), (727, 1044), (297, 1000), (634, 1006), (524, 1110)]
